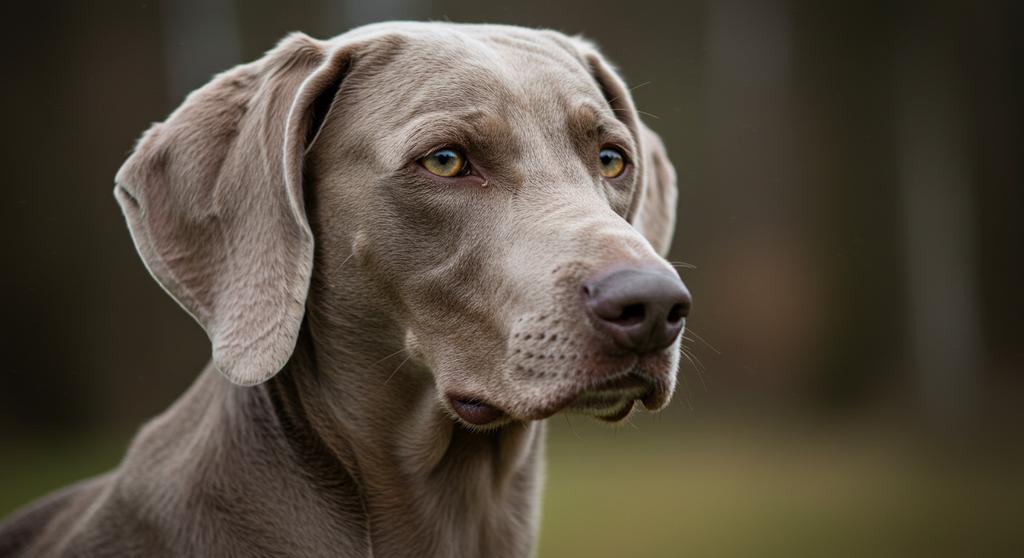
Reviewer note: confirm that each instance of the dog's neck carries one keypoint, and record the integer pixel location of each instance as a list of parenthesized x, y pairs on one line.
[(429, 486)]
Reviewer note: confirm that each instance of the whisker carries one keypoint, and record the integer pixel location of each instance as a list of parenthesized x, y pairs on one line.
[(396, 369), (399, 351), (683, 265), (571, 428), (343, 262), (616, 98), (700, 374), (699, 362), (635, 87), (702, 340), (686, 390), (494, 348), (655, 116)]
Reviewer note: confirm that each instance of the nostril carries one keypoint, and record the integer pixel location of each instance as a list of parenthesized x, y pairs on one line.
[(631, 314), (677, 313)]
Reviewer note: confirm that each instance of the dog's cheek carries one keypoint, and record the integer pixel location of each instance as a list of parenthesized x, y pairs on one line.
[(413, 347), (620, 195)]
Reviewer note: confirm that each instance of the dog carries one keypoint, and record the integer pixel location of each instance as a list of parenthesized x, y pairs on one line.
[(408, 245)]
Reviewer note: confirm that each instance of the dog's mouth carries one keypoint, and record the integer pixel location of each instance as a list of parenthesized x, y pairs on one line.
[(611, 400)]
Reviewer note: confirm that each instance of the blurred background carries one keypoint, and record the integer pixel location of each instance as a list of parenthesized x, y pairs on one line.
[(850, 192)]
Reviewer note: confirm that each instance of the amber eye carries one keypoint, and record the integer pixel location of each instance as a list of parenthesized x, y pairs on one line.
[(444, 162), (611, 162)]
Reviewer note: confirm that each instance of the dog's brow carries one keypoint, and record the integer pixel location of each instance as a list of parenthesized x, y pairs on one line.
[(587, 125), (478, 131), (584, 121)]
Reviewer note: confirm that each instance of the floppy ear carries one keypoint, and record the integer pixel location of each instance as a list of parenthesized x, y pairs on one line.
[(652, 209), (654, 204), (213, 198)]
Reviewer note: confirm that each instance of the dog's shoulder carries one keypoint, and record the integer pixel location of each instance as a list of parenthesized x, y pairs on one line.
[(65, 522), (126, 512)]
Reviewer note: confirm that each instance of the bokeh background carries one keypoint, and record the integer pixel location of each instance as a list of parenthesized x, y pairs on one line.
[(850, 205)]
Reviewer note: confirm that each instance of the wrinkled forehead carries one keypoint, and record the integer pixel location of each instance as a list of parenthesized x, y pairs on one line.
[(499, 79), (505, 69)]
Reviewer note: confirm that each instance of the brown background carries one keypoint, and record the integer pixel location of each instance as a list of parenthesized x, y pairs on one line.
[(850, 197)]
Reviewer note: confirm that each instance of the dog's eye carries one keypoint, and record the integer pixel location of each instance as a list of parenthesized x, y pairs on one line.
[(445, 162), (611, 162)]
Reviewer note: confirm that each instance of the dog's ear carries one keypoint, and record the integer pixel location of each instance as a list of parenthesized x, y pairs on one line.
[(652, 209), (654, 204), (214, 201)]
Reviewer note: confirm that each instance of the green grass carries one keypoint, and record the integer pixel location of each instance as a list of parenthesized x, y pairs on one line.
[(752, 492), (666, 491), (30, 470)]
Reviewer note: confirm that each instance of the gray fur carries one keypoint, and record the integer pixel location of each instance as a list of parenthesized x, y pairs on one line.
[(347, 294)]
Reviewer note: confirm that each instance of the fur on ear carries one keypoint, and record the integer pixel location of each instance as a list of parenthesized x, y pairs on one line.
[(655, 210), (214, 202), (652, 209)]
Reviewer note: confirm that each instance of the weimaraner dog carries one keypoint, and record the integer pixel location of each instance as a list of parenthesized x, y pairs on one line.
[(409, 245)]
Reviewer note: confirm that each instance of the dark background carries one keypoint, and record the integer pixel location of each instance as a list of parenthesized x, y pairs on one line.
[(850, 192)]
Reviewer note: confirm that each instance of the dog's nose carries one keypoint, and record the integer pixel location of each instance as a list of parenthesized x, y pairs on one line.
[(642, 310)]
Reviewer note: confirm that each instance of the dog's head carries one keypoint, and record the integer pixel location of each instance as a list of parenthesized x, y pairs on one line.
[(492, 188)]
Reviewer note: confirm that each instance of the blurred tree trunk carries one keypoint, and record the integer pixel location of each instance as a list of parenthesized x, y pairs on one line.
[(939, 220)]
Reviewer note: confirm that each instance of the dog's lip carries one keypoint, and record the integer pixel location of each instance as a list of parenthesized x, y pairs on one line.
[(615, 389), (613, 399), (622, 413), (626, 382), (474, 410), (609, 400)]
